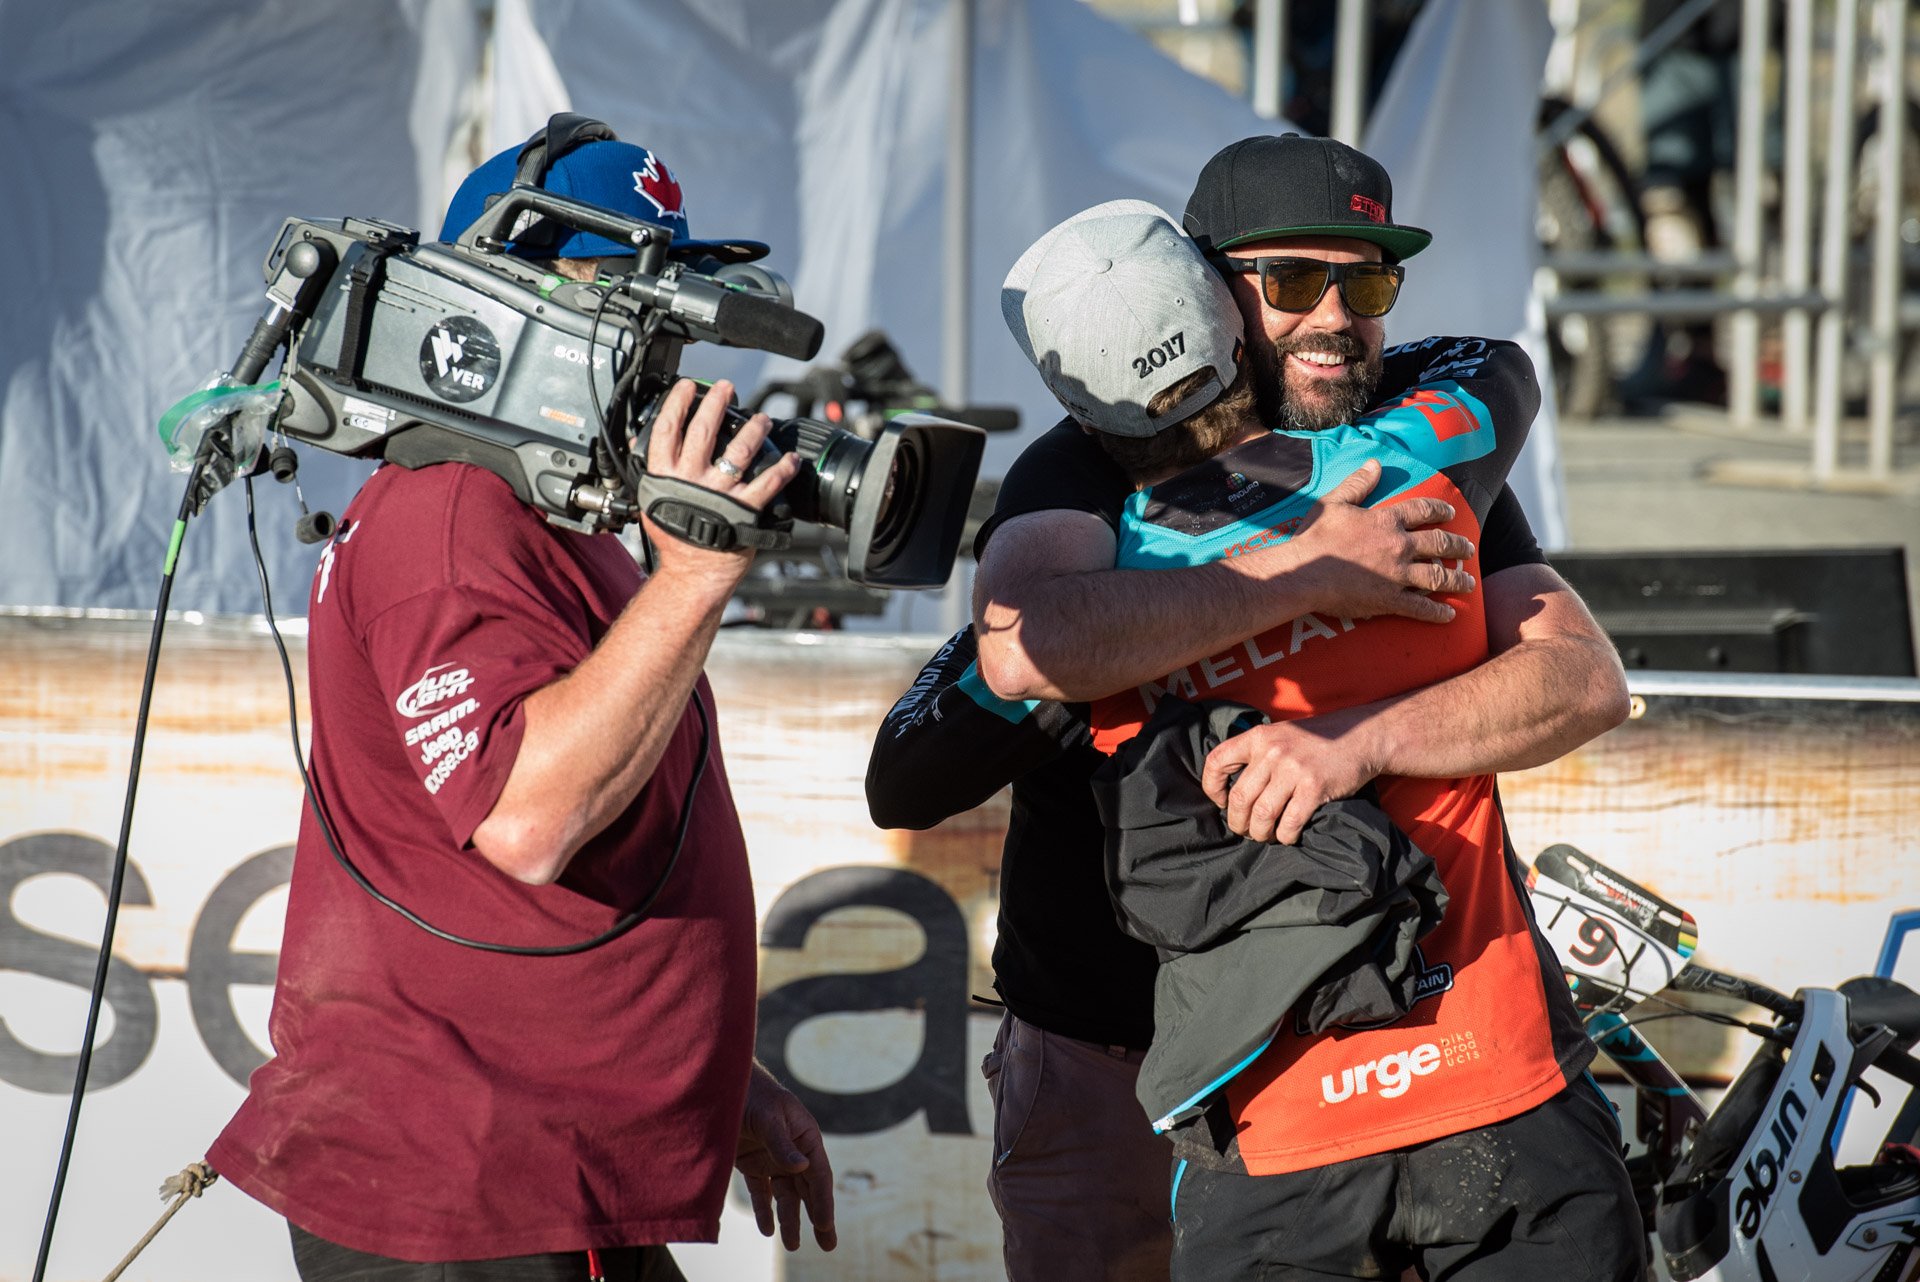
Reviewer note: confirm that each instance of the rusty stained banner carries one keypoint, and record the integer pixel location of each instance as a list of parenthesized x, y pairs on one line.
[(1784, 825)]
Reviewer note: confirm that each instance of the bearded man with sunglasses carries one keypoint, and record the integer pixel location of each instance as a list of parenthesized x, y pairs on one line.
[(1080, 1181)]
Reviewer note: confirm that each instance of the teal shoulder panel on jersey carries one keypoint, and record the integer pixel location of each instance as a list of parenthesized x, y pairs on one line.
[(1441, 424), (975, 686), (1259, 492)]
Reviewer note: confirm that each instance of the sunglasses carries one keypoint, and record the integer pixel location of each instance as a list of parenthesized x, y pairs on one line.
[(1296, 284)]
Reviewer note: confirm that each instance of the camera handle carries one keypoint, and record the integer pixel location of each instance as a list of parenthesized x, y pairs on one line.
[(224, 452), (494, 227), (707, 518)]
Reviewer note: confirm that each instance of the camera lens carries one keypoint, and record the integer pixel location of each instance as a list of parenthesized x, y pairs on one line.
[(901, 499), (897, 503), (838, 472)]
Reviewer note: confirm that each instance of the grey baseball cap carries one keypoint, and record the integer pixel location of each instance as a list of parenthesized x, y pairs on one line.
[(1117, 304)]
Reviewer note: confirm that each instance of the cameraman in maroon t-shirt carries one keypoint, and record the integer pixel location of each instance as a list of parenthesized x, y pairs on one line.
[(512, 737)]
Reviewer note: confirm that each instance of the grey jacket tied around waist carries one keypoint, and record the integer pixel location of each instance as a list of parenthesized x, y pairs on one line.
[(1247, 930)]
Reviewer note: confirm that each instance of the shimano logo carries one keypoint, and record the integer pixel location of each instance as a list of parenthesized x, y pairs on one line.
[(1391, 1074), (440, 683), (1761, 1175)]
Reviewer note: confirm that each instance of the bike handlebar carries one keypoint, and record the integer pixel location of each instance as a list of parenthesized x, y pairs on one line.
[(1692, 978), (1695, 978)]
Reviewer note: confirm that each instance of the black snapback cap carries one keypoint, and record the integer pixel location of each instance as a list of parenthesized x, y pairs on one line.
[(1293, 185)]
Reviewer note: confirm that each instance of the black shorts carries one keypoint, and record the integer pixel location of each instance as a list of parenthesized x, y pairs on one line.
[(319, 1260), (1544, 1195)]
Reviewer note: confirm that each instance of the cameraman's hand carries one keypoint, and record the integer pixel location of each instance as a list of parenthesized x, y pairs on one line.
[(683, 447), (784, 1162)]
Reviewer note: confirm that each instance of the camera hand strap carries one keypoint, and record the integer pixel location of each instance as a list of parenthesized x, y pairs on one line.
[(706, 518), (367, 276)]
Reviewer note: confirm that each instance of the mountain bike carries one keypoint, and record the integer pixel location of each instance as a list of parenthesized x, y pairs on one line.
[(1750, 1190)]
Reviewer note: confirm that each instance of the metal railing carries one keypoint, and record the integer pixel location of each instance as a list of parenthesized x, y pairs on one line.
[(1820, 326)]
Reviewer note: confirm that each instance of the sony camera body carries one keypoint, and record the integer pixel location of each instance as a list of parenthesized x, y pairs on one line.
[(426, 353)]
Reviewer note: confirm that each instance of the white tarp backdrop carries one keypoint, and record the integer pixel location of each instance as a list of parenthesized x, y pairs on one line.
[(829, 142), (152, 152), (155, 151)]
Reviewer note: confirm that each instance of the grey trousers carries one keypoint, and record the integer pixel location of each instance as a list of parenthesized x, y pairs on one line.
[(1079, 1178)]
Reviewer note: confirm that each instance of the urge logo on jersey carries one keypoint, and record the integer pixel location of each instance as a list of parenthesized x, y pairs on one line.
[(1389, 1076)]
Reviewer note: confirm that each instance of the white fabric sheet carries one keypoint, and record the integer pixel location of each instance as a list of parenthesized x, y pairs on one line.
[(154, 152), (163, 147)]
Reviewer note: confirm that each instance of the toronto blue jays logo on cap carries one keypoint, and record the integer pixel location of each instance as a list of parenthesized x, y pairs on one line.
[(658, 186)]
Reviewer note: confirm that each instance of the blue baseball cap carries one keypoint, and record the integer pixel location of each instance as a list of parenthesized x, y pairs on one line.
[(620, 176)]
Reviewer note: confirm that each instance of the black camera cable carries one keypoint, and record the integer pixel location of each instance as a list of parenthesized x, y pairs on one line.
[(96, 996), (626, 922)]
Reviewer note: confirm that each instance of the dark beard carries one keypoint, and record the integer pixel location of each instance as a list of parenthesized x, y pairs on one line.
[(1345, 399)]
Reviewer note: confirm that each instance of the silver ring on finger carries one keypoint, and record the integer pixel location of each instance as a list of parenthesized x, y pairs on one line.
[(727, 467)]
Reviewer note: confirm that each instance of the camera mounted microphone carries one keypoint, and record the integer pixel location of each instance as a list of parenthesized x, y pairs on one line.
[(713, 309)]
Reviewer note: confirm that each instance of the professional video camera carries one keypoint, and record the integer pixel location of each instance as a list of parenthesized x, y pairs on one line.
[(424, 353)]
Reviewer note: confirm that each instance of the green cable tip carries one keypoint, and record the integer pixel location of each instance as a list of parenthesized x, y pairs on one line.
[(173, 544)]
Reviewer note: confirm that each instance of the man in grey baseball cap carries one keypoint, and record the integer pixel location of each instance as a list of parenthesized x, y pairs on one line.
[(1117, 305)]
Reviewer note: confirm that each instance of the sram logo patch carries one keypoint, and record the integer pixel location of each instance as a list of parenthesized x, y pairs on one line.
[(440, 683)]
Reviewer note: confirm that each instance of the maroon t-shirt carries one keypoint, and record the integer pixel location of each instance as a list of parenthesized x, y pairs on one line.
[(433, 1102)]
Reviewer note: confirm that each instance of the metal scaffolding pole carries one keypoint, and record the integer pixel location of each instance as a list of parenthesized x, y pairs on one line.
[(1887, 272), (1796, 217), (1831, 331), (1269, 55), (957, 237), (1350, 58), (1743, 372)]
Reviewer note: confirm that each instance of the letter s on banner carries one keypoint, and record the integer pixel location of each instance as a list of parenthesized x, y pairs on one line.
[(129, 994)]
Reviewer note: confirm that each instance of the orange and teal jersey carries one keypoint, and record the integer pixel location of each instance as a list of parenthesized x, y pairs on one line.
[(1492, 1033)]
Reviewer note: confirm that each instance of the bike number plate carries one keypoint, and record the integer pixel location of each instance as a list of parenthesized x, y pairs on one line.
[(1613, 936)]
